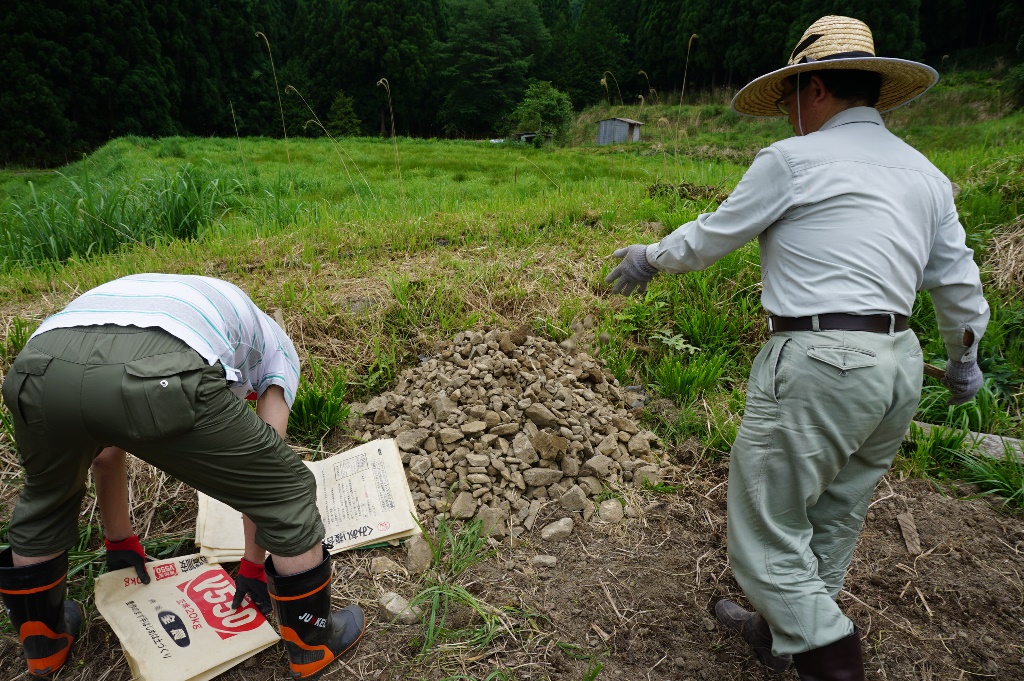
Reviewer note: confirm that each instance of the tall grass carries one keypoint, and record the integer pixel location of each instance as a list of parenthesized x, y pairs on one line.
[(90, 218)]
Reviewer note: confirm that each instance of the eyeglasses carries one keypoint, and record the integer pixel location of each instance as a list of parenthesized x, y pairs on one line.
[(783, 101)]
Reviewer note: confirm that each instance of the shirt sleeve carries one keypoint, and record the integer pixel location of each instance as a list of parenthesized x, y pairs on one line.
[(763, 195), (953, 279), (280, 365)]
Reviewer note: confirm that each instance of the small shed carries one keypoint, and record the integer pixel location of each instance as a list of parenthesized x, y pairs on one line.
[(612, 130)]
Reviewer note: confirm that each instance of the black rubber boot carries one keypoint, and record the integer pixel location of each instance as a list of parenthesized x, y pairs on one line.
[(46, 623), (302, 605), (754, 631), (839, 661)]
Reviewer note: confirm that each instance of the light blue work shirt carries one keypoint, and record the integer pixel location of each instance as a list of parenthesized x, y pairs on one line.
[(848, 219)]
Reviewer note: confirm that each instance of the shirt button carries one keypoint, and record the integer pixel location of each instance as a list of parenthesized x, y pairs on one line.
[(164, 383)]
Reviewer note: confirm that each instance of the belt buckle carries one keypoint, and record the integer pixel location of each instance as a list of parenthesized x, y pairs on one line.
[(771, 326)]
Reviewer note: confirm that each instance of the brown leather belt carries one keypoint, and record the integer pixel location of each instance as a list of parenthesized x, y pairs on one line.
[(840, 321)]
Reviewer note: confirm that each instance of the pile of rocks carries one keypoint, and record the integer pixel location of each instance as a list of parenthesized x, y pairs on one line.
[(498, 422)]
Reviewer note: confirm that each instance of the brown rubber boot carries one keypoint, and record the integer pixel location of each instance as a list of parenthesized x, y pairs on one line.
[(754, 631), (839, 661), (46, 623)]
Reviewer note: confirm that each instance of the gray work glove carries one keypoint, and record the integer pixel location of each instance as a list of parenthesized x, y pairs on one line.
[(963, 380), (633, 272)]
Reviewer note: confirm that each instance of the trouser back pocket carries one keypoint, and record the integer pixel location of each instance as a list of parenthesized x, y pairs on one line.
[(159, 394)]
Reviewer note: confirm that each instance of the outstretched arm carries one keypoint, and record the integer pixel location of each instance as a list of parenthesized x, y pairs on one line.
[(110, 474)]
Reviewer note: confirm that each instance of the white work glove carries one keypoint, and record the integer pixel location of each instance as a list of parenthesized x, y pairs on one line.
[(633, 273), (963, 379)]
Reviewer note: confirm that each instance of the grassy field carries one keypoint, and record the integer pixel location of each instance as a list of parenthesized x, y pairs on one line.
[(376, 250)]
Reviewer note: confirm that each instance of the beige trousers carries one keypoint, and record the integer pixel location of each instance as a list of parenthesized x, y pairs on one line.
[(825, 415)]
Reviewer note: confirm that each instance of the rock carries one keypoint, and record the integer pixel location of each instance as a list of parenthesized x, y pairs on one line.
[(574, 499), (591, 485), (505, 344), (571, 466), (650, 475), (523, 449), (599, 466), (479, 460), (442, 407), (639, 446), (380, 565), (610, 511), (419, 465), (541, 416), (505, 429), (493, 522), (376, 404), (411, 440), (558, 530), (531, 515), (473, 427), (464, 506), (520, 334), (394, 608), (543, 561), (418, 555), (450, 435), (542, 477), (609, 446), (550, 447)]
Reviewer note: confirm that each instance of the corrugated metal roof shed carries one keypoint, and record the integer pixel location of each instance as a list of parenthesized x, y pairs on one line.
[(614, 130)]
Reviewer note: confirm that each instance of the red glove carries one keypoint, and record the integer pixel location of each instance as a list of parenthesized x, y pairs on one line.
[(252, 580), (127, 553)]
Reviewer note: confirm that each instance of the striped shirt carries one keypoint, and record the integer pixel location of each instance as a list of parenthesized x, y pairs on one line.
[(213, 317)]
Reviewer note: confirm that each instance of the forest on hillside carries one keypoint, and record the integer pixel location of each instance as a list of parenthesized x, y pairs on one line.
[(73, 75)]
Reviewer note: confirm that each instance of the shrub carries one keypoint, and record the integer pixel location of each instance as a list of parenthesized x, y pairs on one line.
[(543, 109)]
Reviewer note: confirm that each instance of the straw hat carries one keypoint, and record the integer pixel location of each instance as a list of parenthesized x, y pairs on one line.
[(838, 43)]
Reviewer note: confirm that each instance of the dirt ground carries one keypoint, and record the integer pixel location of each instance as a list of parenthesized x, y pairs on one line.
[(632, 601)]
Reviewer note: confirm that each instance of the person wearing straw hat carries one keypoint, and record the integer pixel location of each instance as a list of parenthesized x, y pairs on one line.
[(851, 222)]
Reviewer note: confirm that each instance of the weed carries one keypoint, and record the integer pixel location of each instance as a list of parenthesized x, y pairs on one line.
[(684, 379), (931, 453), (456, 548), (319, 404), (18, 334), (280, 104), (1004, 476), (986, 413), (383, 82)]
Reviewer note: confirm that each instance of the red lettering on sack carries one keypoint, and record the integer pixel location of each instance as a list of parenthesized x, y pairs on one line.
[(212, 593), (165, 571)]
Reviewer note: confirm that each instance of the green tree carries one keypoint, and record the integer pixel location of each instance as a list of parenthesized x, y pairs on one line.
[(392, 39), (544, 109), (342, 120), (34, 72), (487, 60), (895, 24)]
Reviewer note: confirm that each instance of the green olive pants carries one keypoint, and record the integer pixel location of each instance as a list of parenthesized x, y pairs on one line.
[(73, 392), (825, 415)]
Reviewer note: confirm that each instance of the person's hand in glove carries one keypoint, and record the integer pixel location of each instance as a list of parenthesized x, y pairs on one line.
[(963, 379), (127, 553), (251, 580), (633, 273)]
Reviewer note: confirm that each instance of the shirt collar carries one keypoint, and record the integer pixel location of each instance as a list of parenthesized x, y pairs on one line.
[(858, 114)]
